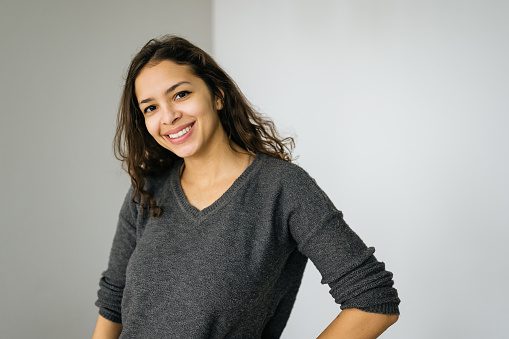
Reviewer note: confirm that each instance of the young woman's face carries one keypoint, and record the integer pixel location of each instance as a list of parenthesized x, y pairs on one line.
[(179, 110)]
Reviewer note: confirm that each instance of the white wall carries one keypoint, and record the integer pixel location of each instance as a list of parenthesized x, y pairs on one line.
[(401, 113), (61, 70)]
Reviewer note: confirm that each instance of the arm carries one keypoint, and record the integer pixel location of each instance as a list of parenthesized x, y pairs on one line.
[(112, 281), (105, 329), (356, 324), (358, 281)]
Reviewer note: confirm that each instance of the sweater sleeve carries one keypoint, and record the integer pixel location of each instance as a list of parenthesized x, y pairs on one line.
[(355, 277), (112, 281)]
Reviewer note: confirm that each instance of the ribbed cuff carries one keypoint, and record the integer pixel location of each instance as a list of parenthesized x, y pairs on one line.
[(387, 308), (111, 316)]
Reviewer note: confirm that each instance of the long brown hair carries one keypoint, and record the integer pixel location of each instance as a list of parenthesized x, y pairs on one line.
[(142, 156)]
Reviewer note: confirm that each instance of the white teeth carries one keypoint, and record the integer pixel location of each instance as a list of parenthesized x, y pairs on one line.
[(181, 133)]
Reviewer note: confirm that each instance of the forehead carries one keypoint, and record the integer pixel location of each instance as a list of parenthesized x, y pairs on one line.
[(161, 76)]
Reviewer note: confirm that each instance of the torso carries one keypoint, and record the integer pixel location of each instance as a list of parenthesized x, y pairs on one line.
[(231, 270)]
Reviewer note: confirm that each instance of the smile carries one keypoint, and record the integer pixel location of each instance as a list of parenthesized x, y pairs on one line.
[(181, 133)]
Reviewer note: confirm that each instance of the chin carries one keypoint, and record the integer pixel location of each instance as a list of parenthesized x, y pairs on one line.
[(185, 150), (184, 153)]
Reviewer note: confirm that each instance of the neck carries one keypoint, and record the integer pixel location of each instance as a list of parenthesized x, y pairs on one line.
[(217, 163)]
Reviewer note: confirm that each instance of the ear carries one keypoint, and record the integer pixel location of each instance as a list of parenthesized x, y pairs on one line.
[(219, 101)]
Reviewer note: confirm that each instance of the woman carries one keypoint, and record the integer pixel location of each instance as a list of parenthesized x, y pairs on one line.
[(215, 232)]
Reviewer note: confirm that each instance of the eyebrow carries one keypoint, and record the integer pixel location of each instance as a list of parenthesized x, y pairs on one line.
[(169, 90)]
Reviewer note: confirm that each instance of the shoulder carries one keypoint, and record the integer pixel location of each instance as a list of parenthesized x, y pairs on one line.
[(290, 179), (280, 168), (286, 172), (297, 195)]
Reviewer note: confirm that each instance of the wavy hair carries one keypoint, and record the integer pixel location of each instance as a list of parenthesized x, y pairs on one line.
[(143, 157)]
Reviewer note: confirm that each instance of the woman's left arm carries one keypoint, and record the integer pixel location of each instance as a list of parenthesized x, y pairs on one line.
[(357, 280), (352, 323)]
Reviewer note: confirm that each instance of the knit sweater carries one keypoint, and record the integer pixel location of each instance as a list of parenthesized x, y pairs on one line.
[(233, 269)]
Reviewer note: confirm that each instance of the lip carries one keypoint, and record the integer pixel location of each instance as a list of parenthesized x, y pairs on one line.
[(177, 129), (182, 138)]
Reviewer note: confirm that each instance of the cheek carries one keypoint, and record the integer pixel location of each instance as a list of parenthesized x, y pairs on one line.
[(152, 126)]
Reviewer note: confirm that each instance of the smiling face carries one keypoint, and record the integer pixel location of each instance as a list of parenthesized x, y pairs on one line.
[(179, 110)]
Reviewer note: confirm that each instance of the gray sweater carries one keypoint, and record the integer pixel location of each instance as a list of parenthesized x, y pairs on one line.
[(233, 269)]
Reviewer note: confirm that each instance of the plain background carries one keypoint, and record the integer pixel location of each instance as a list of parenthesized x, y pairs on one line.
[(400, 111)]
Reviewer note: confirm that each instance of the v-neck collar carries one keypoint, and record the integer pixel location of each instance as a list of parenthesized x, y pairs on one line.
[(200, 214)]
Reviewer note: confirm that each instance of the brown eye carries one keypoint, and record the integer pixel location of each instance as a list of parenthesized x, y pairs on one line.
[(181, 94), (149, 109)]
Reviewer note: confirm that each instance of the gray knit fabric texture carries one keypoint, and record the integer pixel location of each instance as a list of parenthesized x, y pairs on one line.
[(233, 269)]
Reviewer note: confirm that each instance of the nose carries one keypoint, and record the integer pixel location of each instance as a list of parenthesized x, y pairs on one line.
[(170, 116)]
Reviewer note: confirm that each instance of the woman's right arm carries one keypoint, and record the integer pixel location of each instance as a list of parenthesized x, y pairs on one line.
[(112, 282), (105, 329)]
